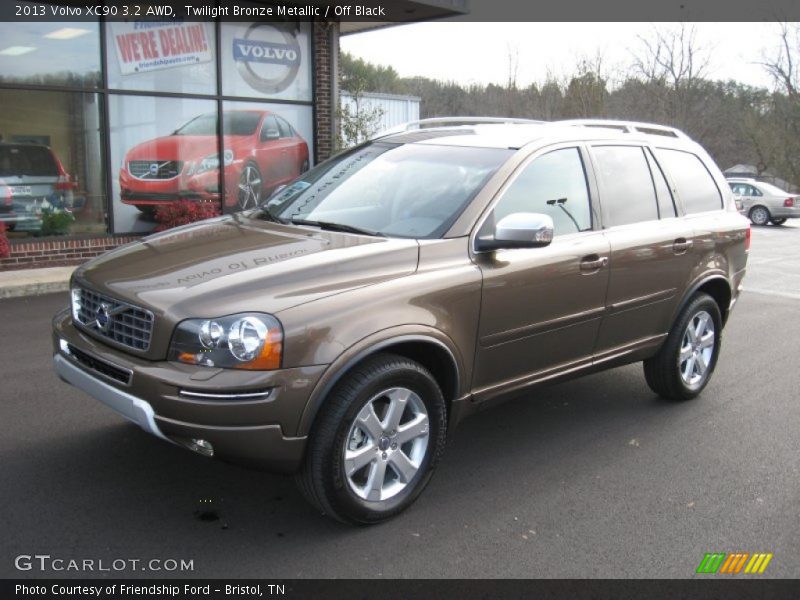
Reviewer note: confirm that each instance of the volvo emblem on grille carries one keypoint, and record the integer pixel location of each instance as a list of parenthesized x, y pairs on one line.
[(102, 316), (153, 168)]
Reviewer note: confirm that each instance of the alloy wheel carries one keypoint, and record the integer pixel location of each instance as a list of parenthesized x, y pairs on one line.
[(759, 215), (386, 444), (697, 349), (249, 187)]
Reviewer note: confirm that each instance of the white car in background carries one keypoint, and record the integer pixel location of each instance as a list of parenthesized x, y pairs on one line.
[(763, 202)]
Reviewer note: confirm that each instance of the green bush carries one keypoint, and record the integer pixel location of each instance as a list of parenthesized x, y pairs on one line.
[(56, 221)]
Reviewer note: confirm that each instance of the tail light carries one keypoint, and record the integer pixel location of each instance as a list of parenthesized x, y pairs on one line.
[(789, 202), (63, 184), (747, 239)]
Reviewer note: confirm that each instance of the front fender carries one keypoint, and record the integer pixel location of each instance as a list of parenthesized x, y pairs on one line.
[(370, 345)]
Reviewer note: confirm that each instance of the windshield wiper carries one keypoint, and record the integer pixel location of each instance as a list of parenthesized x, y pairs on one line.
[(267, 215), (329, 226)]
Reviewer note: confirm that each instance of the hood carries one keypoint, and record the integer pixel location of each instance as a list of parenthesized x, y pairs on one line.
[(236, 264), (182, 147)]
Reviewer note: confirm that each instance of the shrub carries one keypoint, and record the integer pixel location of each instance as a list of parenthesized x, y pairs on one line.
[(56, 221), (5, 250), (184, 212)]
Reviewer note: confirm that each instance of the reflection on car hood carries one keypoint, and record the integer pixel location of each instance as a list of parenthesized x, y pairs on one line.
[(243, 264)]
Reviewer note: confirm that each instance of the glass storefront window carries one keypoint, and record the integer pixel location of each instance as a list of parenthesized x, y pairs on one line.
[(269, 145), (51, 175), (46, 53), (162, 150), (162, 56), (266, 60)]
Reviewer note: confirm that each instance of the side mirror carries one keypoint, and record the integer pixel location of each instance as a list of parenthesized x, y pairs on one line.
[(518, 230), (270, 134)]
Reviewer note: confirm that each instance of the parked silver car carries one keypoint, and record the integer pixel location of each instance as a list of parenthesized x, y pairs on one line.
[(763, 202)]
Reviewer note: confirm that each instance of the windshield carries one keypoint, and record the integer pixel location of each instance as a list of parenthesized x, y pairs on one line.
[(396, 190), (233, 123)]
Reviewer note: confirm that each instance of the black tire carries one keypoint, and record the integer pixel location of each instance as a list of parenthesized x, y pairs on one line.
[(663, 371), (304, 167), (323, 480), (148, 212), (778, 222), (759, 215)]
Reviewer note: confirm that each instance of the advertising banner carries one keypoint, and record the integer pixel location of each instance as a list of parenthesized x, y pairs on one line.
[(143, 46)]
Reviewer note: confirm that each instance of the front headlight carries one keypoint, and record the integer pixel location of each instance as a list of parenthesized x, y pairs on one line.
[(244, 341), (211, 162), (75, 304)]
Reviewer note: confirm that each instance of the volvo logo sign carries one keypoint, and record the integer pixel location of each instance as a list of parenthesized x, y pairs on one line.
[(102, 317), (267, 56), (153, 168)]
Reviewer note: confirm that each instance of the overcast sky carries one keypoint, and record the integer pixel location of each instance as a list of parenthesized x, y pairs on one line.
[(478, 52)]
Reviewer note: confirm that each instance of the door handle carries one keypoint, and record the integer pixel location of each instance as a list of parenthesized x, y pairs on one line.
[(593, 263), (681, 245)]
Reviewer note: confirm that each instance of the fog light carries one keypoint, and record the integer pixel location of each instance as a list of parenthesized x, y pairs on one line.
[(203, 447), (64, 346)]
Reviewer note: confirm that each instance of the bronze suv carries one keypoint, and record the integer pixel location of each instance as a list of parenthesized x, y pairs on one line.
[(343, 327)]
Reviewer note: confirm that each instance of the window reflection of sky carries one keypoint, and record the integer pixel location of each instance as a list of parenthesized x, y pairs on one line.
[(51, 58)]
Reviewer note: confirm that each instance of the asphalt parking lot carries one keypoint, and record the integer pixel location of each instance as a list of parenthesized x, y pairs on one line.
[(592, 478)]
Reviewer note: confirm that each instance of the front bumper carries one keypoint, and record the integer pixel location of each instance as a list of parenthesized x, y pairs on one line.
[(183, 403)]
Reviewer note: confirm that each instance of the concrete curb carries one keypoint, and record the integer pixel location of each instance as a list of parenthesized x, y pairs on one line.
[(34, 282)]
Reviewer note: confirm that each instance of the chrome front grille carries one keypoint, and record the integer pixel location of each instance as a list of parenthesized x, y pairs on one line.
[(154, 169), (121, 322)]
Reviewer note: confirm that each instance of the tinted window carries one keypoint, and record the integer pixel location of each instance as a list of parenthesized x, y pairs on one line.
[(666, 203), (269, 130), (628, 195), (18, 161), (694, 183), (285, 128), (554, 184), (233, 122)]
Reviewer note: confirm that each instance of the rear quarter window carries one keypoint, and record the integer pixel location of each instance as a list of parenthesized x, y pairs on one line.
[(695, 185)]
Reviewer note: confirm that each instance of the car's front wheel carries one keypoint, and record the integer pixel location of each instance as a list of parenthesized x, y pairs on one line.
[(686, 361), (250, 187), (759, 215), (376, 441)]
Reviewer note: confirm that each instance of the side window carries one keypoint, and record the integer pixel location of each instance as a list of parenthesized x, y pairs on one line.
[(753, 191), (269, 130), (285, 128), (628, 193), (553, 184), (666, 203), (694, 183)]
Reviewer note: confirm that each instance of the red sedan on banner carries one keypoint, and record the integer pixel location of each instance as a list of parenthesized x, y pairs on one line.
[(261, 152)]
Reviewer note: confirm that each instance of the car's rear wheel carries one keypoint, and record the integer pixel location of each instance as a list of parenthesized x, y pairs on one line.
[(304, 167), (376, 441), (685, 363), (779, 221), (759, 215), (250, 186)]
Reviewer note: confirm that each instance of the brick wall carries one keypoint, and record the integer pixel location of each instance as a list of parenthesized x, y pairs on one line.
[(36, 253), (325, 46)]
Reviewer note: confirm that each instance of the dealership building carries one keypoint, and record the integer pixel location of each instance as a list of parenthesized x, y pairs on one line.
[(103, 122)]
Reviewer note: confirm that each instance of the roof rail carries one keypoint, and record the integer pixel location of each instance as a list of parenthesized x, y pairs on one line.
[(444, 121), (627, 126)]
